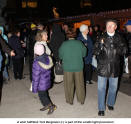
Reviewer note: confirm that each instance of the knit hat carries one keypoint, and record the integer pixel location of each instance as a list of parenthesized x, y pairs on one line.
[(83, 27), (128, 23), (39, 49), (33, 26)]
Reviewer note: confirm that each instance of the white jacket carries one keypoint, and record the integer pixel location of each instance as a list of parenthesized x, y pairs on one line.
[(48, 51)]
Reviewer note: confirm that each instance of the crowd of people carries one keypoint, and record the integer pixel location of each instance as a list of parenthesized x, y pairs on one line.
[(72, 51)]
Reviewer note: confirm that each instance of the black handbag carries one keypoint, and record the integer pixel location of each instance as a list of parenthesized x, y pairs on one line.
[(58, 68)]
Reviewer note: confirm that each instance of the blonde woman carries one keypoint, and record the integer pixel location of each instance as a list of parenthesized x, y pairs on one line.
[(41, 38)]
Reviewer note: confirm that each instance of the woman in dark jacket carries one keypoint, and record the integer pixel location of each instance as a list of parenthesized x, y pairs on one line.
[(56, 40), (3, 47), (128, 38), (86, 40), (18, 60)]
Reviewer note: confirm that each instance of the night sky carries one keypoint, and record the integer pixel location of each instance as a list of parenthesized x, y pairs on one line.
[(70, 7), (67, 8)]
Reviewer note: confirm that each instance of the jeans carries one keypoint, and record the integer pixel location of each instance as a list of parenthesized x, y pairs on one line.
[(102, 83), (1, 58), (5, 73)]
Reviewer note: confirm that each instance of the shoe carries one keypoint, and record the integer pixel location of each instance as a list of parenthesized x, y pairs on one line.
[(20, 78), (6, 80), (101, 113), (110, 107), (15, 78), (51, 109), (44, 108), (71, 103), (88, 82), (82, 103)]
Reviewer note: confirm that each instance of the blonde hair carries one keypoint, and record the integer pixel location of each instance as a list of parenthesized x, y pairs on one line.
[(40, 34)]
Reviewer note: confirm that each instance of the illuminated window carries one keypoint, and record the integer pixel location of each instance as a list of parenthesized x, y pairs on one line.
[(85, 3), (29, 4)]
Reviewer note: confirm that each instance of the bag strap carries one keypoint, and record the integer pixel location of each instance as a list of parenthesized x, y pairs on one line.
[(44, 48)]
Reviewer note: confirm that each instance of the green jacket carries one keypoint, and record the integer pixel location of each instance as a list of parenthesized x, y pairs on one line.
[(72, 52)]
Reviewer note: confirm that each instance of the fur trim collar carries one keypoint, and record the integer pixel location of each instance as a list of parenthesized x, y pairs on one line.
[(45, 66)]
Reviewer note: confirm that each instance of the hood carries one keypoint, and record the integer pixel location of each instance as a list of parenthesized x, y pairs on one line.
[(44, 61), (56, 28), (2, 29), (2, 34)]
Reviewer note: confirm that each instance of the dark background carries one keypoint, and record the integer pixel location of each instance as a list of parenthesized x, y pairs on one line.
[(65, 8), (72, 7)]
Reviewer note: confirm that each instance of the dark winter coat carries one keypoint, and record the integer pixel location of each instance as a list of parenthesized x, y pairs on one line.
[(89, 44), (109, 54), (16, 45), (128, 37), (56, 40), (32, 42), (41, 73), (4, 46)]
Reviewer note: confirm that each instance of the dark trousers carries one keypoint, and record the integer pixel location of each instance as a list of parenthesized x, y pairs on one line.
[(88, 72), (18, 67), (44, 97), (30, 67)]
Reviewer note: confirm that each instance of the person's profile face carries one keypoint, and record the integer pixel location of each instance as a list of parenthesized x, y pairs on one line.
[(65, 27), (86, 31), (44, 37), (18, 34), (96, 28), (128, 27)]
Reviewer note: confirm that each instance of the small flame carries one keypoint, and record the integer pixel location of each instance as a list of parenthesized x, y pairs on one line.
[(102, 41)]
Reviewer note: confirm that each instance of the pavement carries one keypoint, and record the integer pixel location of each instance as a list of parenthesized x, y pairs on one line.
[(18, 102)]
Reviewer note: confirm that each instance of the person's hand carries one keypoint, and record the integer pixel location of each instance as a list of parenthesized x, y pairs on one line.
[(22, 41), (12, 53), (94, 56), (23, 45)]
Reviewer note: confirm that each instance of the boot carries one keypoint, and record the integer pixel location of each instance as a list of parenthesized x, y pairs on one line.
[(45, 107), (51, 109)]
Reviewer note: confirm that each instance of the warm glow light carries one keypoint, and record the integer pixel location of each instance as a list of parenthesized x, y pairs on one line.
[(85, 3), (24, 5), (29, 4), (32, 4), (78, 24)]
